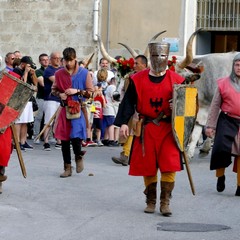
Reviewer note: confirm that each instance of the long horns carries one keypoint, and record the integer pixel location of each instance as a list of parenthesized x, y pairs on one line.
[(153, 39), (187, 60), (134, 53), (104, 52), (189, 54), (131, 50)]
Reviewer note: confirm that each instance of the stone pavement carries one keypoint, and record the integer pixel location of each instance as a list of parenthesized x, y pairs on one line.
[(109, 205)]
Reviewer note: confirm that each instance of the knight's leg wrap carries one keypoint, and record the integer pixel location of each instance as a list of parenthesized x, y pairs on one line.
[(167, 185), (238, 176)]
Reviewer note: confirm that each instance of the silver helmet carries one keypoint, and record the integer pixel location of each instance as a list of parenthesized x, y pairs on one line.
[(159, 52)]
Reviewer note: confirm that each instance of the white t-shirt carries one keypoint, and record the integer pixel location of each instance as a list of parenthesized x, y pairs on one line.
[(109, 77), (111, 105)]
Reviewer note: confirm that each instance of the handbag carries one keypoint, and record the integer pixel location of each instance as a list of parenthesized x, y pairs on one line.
[(73, 109), (34, 103)]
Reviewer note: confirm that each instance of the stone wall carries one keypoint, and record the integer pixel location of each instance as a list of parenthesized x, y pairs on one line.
[(37, 26)]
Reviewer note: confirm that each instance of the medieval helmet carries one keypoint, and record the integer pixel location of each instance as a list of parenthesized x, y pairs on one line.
[(159, 52)]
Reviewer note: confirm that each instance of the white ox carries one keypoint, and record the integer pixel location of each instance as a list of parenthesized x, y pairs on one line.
[(1, 62), (216, 65)]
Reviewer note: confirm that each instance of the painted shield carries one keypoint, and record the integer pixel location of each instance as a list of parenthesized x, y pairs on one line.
[(184, 113), (14, 95)]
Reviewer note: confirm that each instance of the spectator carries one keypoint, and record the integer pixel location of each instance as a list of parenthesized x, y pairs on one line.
[(103, 64), (109, 114), (39, 117), (27, 74), (140, 63), (9, 58), (99, 103), (17, 54), (51, 103)]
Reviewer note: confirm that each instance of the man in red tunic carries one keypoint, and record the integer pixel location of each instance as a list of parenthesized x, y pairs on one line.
[(5, 152), (150, 93)]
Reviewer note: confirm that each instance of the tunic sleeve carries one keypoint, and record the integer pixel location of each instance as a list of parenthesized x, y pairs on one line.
[(127, 106), (214, 110)]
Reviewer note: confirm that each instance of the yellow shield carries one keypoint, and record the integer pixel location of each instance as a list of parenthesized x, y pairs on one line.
[(184, 113)]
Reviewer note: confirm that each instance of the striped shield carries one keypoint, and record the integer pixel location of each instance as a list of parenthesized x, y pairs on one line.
[(14, 95), (184, 113)]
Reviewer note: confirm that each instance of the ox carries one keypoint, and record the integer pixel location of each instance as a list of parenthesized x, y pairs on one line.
[(216, 65)]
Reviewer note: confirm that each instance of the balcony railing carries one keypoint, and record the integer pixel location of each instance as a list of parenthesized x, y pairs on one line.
[(218, 15)]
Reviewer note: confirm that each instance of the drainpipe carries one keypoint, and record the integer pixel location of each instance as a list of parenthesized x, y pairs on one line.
[(95, 19), (108, 25)]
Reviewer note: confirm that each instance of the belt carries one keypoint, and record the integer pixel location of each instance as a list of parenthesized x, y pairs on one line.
[(157, 120), (232, 115)]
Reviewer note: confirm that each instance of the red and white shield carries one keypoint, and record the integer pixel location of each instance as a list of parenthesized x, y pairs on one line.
[(14, 95)]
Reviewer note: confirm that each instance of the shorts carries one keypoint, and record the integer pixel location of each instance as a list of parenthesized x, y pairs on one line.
[(97, 123), (108, 121), (49, 108)]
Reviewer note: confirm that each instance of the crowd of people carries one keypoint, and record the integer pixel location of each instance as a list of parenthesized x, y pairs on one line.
[(87, 113)]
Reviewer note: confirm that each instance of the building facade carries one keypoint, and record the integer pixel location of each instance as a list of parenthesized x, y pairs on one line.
[(37, 26)]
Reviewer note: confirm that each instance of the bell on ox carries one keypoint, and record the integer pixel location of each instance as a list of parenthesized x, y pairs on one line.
[(184, 114)]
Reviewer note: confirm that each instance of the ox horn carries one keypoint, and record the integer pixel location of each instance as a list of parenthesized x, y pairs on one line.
[(189, 55), (104, 52), (153, 39), (131, 50), (88, 60), (134, 53)]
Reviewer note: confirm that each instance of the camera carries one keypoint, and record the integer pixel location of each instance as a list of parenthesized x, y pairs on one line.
[(33, 66), (116, 96)]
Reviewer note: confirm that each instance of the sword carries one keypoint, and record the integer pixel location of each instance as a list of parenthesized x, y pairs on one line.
[(158, 118), (19, 153)]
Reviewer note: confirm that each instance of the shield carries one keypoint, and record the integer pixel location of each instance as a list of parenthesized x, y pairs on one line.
[(184, 113), (14, 95)]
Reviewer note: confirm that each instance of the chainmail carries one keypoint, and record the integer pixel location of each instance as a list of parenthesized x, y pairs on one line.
[(233, 77)]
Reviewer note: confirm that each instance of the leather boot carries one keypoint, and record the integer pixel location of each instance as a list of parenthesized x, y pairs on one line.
[(221, 183), (67, 171), (166, 191), (2, 176), (151, 194), (237, 191), (123, 159), (79, 162)]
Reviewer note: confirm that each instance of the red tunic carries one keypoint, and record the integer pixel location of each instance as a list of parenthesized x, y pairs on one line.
[(5, 147), (160, 150)]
